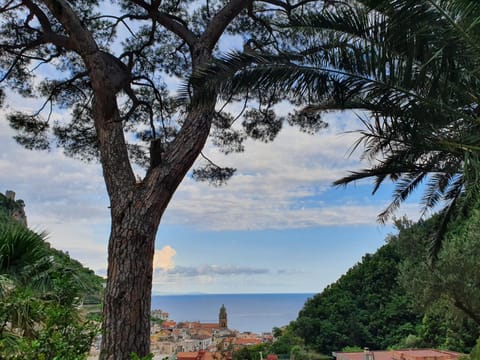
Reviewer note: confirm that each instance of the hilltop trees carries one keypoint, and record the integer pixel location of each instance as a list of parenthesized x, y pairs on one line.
[(365, 307), (104, 67)]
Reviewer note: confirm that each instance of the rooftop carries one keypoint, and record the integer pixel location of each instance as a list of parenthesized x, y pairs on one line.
[(403, 354)]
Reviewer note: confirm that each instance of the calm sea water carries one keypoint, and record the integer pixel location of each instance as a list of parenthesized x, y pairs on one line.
[(246, 312)]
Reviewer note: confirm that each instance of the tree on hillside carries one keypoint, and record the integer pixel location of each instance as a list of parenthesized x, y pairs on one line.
[(452, 279), (410, 70), (365, 307), (101, 68)]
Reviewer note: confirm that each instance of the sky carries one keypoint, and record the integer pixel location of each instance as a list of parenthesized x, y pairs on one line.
[(278, 226)]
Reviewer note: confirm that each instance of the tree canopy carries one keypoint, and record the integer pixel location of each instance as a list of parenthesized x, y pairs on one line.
[(146, 46)]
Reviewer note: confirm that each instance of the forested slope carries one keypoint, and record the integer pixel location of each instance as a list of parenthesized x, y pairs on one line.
[(381, 302), (365, 307)]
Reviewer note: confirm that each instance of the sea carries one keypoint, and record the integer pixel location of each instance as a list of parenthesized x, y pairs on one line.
[(245, 312)]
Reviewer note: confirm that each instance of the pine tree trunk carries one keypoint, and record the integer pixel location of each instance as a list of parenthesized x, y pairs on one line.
[(136, 210), (126, 312)]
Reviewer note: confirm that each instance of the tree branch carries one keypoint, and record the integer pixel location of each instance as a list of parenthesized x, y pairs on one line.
[(171, 22), (177, 26), (48, 35), (82, 40), (459, 304), (220, 21)]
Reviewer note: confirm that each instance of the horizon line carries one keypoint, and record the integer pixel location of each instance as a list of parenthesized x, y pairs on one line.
[(243, 293)]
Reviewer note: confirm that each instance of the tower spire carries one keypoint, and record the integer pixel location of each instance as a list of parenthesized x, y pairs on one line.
[(222, 317)]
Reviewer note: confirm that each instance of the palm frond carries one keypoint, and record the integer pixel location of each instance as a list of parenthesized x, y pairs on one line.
[(413, 67), (404, 187)]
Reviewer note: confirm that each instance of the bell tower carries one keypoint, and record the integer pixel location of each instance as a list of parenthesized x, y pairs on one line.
[(222, 318)]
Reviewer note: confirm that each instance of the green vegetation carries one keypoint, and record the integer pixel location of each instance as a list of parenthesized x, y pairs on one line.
[(475, 354), (41, 295), (134, 356), (396, 298), (449, 280), (251, 352), (365, 307), (8, 206)]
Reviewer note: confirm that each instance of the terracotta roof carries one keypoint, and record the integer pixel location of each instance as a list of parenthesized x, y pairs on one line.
[(247, 341), (209, 326), (377, 355), (187, 355), (203, 355), (169, 324), (403, 354), (420, 354)]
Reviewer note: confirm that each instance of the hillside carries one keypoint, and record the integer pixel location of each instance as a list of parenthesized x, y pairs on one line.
[(365, 307), (12, 212), (11, 209), (370, 307)]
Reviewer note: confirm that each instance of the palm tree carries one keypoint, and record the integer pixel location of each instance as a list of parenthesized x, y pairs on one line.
[(22, 251), (39, 290), (411, 71), (22, 254)]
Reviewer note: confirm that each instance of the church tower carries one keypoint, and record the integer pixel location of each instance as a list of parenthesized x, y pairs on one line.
[(222, 318)]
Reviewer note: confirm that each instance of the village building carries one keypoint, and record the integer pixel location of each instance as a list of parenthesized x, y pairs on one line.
[(169, 324), (159, 315), (406, 354), (204, 355), (169, 337)]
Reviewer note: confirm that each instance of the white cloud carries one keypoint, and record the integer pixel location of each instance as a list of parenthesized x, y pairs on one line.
[(280, 185), (163, 258), (210, 270)]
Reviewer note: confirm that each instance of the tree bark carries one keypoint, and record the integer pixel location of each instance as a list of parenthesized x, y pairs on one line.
[(136, 211), (126, 311)]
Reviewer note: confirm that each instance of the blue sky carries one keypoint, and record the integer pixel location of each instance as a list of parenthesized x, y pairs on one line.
[(278, 226)]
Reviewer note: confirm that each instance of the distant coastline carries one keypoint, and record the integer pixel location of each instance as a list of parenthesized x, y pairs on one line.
[(246, 311), (215, 294)]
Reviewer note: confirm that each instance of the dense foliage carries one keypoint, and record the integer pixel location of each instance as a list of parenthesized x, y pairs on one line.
[(444, 290), (41, 293), (365, 307), (287, 344), (396, 298)]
